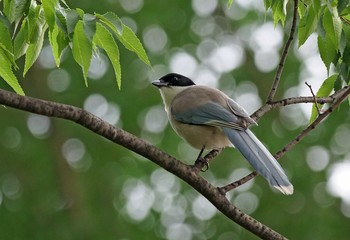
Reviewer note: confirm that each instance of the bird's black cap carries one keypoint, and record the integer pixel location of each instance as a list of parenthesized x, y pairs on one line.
[(173, 79)]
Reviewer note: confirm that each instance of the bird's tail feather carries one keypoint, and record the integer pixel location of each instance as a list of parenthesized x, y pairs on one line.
[(260, 158)]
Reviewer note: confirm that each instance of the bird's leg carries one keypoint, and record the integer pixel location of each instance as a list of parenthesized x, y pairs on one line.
[(200, 161), (204, 161)]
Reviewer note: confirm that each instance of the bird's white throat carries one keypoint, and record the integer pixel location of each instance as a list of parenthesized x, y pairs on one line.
[(168, 94)]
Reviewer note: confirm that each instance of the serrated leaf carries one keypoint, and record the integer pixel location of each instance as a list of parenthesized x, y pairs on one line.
[(332, 25), (132, 43), (15, 9), (59, 41), (60, 18), (104, 39), (20, 44), (278, 12), (72, 19), (112, 21), (307, 25), (33, 51), (324, 91), (7, 74), (346, 29), (33, 24), (346, 55), (344, 75), (9, 6), (49, 9), (5, 38), (327, 51), (89, 22), (82, 49), (80, 12), (342, 4), (6, 44)]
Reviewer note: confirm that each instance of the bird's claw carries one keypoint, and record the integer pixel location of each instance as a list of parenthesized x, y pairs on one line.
[(202, 161)]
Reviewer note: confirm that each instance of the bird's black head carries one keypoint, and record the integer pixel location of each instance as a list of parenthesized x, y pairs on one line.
[(173, 79)]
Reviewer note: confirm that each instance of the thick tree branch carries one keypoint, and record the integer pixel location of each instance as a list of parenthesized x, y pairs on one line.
[(284, 54), (187, 173)]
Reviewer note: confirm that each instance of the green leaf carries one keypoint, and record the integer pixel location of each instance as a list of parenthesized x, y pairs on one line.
[(9, 6), (6, 43), (7, 74), (15, 9), (72, 19), (346, 29), (59, 41), (104, 39), (346, 55), (327, 51), (33, 24), (20, 43), (278, 12), (5, 38), (112, 21), (80, 12), (324, 91), (33, 51), (60, 18), (344, 75), (82, 49), (49, 9), (132, 43), (89, 22), (308, 24), (332, 25), (342, 4)]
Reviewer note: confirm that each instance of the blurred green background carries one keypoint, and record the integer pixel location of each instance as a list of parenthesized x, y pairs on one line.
[(60, 181)]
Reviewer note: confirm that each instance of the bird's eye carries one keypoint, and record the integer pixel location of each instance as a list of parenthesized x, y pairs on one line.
[(176, 79)]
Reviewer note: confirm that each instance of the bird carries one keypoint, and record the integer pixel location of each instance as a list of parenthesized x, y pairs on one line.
[(207, 118)]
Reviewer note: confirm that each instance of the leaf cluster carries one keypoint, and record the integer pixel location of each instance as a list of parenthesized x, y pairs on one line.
[(23, 27), (330, 20)]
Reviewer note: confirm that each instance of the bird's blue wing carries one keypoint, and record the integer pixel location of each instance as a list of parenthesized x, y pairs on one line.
[(212, 114)]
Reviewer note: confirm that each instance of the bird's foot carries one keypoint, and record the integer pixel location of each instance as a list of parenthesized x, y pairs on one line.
[(202, 163)]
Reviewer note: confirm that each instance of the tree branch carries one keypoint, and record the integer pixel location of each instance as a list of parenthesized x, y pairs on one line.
[(187, 173), (284, 55), (296, 100)]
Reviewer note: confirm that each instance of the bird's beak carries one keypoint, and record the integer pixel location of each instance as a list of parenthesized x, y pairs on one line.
[(159, 83)]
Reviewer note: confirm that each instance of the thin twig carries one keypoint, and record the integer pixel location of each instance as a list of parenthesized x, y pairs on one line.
[(295, 100), (284, 55), (297, 139), (313, 95)]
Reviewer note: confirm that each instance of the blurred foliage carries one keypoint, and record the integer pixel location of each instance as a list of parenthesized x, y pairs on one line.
[(59, 181)]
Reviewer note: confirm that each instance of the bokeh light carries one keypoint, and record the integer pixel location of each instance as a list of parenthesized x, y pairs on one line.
[(39, 125)]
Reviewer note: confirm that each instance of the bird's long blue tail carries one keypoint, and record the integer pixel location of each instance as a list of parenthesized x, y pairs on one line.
[(260, 158)]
